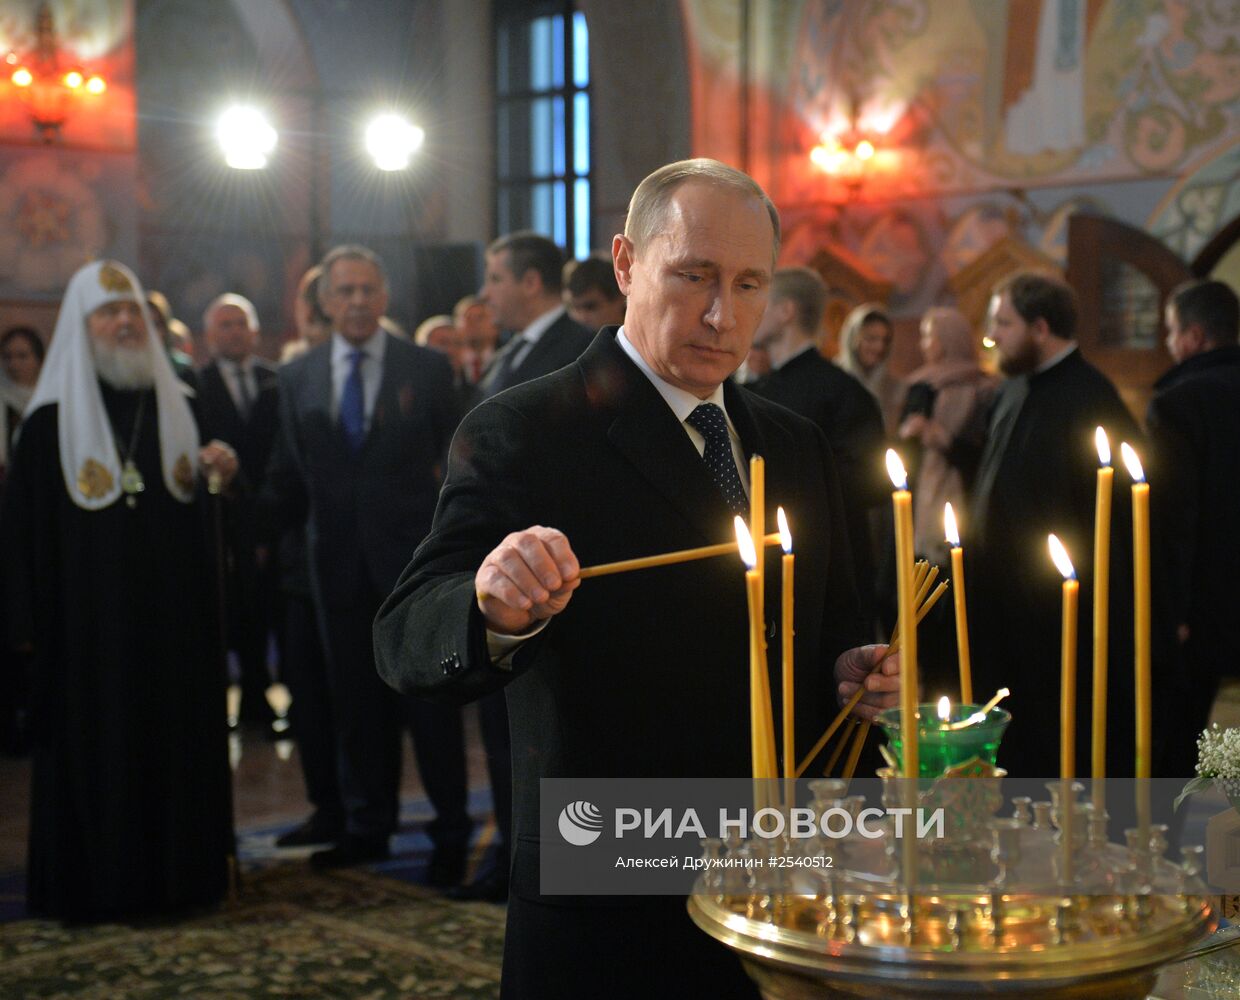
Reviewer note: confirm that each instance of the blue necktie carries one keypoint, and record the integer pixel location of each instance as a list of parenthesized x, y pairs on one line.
[(353, 404), (709, 421)]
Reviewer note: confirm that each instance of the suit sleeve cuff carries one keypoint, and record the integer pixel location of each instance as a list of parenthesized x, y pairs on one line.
[(500, 648)]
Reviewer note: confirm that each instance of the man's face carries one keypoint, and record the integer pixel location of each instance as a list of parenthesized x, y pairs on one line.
[(1013, 337), (118, 326), (594, 310), (479, 328), (774, 319), (698, 290), (448, 341), (1182, 342), (354, 298), (120, 346), (229, 334), (504, 292)]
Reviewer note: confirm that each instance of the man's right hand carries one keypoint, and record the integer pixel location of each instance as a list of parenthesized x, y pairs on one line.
[(527, 578)]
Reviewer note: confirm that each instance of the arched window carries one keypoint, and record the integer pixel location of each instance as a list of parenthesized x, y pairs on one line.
[(542, 87)]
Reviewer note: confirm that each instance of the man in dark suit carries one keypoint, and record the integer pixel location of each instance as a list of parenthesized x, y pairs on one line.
[(365, 420), (1037, 476), (638, 447), (522, 289), (238, 399), (1194, 428), (848, 416)]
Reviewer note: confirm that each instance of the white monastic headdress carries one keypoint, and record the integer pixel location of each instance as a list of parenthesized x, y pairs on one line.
[(88, 456)]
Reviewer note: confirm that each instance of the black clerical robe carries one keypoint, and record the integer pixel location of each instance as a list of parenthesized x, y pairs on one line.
[(130, 798), (1039, 477)]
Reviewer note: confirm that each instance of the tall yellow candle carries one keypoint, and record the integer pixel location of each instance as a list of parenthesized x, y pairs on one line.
[(1102, 586), (1067, 692), (757, 516), (757, 660), (952, 532), (757, 528), (902, 511), (786, 654), (1067, 702), (1141, 626)]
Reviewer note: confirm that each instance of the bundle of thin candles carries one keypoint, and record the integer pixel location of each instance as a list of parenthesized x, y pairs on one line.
[(858, 732)]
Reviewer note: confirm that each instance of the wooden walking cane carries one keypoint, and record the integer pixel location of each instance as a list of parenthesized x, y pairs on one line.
[(216, 492)]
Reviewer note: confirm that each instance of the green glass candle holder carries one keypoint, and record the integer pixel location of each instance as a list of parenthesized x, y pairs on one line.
[(940, 747)]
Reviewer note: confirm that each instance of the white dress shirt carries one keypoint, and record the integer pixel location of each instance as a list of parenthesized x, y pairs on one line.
[(684, 403), (372, 370), (533, 333)]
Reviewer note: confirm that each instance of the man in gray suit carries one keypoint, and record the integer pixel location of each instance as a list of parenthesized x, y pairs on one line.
[(365, 421)]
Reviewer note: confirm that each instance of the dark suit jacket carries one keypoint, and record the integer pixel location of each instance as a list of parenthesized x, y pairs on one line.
[(218, 417), (849, 418), (1194, 426), (644, 673), (561, 344), (364, 513)]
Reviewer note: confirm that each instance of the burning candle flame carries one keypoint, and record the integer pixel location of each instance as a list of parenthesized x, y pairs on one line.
[(1060, 555), (785, 535), (950, 530), (945, 708), (895, 469), (744, 543), (1104, 446), (1133, 463)]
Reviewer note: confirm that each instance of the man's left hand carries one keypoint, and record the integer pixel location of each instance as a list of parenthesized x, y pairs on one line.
[(855, 668), (218, 460)]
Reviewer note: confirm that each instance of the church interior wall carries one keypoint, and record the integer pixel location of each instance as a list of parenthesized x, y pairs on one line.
[(953, 94)]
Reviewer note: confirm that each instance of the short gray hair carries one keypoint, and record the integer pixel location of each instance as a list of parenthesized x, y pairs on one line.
[(232, 299), (648, 206), (423, 333), (349, 251)]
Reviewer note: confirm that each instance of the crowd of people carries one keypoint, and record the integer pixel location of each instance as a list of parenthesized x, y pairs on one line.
[(568, 413)]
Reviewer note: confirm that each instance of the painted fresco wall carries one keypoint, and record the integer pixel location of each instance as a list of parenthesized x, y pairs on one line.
[(62, 205), (991, 119)]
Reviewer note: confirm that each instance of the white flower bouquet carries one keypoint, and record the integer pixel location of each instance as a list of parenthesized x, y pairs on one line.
[(1218, 763)]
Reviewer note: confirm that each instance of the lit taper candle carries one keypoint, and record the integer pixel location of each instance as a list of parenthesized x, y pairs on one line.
[(952, 531), (1141, 630), (1102, 586), (786, 635), (759, 733), (1067, 702), (902, 509)]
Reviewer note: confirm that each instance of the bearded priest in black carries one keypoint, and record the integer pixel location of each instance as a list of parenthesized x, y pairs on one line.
[(109, 584)]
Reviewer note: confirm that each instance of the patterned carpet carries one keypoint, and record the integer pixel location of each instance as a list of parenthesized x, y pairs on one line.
[(293, 932)]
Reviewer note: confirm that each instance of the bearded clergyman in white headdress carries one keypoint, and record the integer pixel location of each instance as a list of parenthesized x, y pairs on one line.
[(109, 586)]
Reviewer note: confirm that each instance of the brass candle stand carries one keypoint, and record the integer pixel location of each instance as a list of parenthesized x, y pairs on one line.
[(1001, 905)]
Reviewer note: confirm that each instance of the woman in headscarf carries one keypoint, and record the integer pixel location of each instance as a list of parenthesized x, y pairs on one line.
[(865, 345), (21, 359), (948, 397)]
